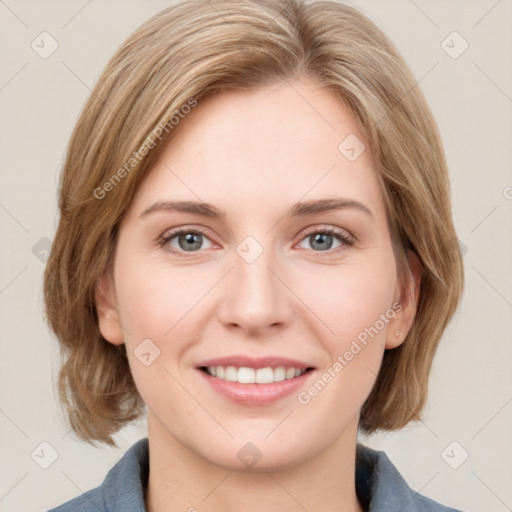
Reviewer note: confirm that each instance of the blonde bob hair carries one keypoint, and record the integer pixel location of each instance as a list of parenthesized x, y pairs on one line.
[(190, 51)]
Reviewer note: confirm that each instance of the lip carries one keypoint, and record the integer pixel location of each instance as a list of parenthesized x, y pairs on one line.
[(255, 394)]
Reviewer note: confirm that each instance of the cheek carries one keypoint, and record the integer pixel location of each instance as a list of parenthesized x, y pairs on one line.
[(156, 300), (160, 310), (355, 302), (349, 299)]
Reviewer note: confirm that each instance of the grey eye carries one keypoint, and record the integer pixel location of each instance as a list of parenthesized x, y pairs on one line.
[(188, 241)]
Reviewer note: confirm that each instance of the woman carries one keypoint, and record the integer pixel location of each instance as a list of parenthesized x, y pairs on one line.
[(256, 244)]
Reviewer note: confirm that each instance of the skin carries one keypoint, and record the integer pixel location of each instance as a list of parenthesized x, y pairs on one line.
[(255, 155)]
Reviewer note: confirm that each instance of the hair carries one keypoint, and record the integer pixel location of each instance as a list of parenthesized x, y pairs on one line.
[(190, 51)]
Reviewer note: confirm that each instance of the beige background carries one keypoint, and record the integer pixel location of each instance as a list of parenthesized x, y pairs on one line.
[(471, 387)]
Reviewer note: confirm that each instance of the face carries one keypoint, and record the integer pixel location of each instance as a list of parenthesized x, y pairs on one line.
[(263, 315)]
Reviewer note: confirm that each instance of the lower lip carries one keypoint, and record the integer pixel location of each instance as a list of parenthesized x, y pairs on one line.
[(256, 394)]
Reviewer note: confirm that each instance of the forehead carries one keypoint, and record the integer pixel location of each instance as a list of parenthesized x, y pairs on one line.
[(280, 144)]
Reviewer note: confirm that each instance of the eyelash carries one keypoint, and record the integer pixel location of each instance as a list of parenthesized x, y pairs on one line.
[(342, 236)]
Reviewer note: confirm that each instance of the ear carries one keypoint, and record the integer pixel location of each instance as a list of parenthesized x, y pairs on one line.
[(408, 296), (108, 315)]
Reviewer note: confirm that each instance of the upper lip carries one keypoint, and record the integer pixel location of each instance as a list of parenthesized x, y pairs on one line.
[(255, 362)]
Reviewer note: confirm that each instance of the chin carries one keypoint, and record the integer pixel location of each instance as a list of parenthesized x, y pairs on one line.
[(267, 463), (259, 456)]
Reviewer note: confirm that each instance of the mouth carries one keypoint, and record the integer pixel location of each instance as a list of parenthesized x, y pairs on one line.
[(255, 381), (248, 375)]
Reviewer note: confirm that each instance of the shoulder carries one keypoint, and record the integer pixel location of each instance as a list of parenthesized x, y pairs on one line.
[(383, 489), (123, 487)]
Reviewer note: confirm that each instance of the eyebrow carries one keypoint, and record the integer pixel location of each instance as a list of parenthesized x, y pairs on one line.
[(300, 209)]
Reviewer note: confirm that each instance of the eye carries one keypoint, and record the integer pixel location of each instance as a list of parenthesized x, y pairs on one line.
[(188, 240), (323, 239), (185, 240)]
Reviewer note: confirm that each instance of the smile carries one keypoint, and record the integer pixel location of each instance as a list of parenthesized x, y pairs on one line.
[(255, 381)]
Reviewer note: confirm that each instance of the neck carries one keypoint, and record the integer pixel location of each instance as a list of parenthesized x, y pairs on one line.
[(180, 479)]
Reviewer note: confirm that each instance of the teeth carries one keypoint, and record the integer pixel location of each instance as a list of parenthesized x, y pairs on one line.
[(245, 375), (264, 376), (231, 374), (280, 374)]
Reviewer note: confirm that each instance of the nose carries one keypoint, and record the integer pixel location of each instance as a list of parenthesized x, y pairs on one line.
[(255, 297)]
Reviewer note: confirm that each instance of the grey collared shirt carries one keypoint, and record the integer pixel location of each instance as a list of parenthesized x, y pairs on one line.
[(379, 486)]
